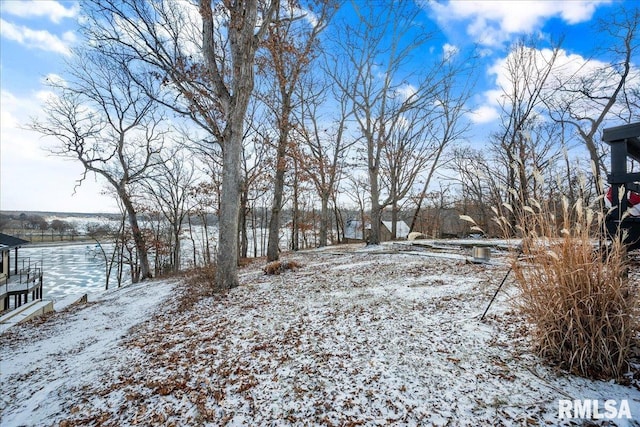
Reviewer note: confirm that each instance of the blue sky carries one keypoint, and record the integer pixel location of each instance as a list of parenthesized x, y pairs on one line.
[(36, 38)]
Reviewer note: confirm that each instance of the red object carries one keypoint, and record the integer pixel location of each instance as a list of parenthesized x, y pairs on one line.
[(632, 200)]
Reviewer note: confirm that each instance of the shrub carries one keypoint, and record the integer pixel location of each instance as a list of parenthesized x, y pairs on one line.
[(573, 289), (200, 282), (278, 267)]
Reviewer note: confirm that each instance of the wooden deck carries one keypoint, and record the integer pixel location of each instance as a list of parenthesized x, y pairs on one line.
[(23, 287)]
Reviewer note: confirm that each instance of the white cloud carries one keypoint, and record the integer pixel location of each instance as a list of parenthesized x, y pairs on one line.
[(484, 114), (53, 10), (7, 119), (45, 95), (37, 39), (406, 91), (17, 112), (491, 22), (181, 17), (449, 51), (494, 98), (54, 79), (568, 70), (297, 12)]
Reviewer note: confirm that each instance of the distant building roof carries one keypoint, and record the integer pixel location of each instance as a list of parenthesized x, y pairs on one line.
[(353, 229), (402, 229), (9, 242)]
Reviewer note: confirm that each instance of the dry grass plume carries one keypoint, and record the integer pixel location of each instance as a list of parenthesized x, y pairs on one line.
[(573, 287)]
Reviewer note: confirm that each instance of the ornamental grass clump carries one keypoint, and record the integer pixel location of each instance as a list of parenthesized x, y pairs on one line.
[(574, 289), (278, 267)]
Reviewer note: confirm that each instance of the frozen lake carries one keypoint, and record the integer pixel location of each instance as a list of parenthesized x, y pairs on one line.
[(76, 268), (68, 269)]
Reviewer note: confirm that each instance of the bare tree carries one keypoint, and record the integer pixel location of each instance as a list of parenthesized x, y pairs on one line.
[(357, 188), (479, 188), (257, 176), (524, 91), (100, 233), (203, 57), (234, 95), (390, 105), (102, 119), (592, 95), (448, 126), (290, 45), (36, 222), (170, 190), (205, 196), (60, 227), (325, 146)]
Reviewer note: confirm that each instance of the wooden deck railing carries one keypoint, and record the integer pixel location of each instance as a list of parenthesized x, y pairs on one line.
[(27, 282)]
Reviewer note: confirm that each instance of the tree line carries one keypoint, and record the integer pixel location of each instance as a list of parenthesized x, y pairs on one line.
[(244, 108), (35, 224)]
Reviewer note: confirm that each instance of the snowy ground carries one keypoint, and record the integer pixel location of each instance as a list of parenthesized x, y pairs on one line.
[(351, 338)]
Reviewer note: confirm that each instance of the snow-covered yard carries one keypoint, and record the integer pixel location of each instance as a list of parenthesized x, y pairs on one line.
[(353, 337)]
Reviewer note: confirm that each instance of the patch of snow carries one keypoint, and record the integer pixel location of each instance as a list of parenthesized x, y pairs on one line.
[(44, 367), (373, 338)]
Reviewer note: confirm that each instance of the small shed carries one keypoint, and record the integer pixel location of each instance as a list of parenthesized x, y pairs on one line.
[(355, 231), (402, 230)]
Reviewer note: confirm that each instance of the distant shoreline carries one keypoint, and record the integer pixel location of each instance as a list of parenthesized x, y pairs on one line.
[(60, 243), (62, 214)]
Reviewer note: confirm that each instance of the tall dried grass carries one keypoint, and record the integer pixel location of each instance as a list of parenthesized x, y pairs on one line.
[(573, 291)]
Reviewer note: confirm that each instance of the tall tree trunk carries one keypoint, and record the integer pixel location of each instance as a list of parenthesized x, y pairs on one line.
[(234, 92), (295, 227), (376, 209), (176, 250), (254, 233), (119, 248), (263, 227), (227, 257), (244, 238), (394, 220), (156, 242), (138, 238), (339, 221), (193, 241), (273, 248), (324, 219), (206, 253)]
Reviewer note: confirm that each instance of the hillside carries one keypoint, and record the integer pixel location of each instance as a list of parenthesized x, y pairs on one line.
[(352, 337)]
